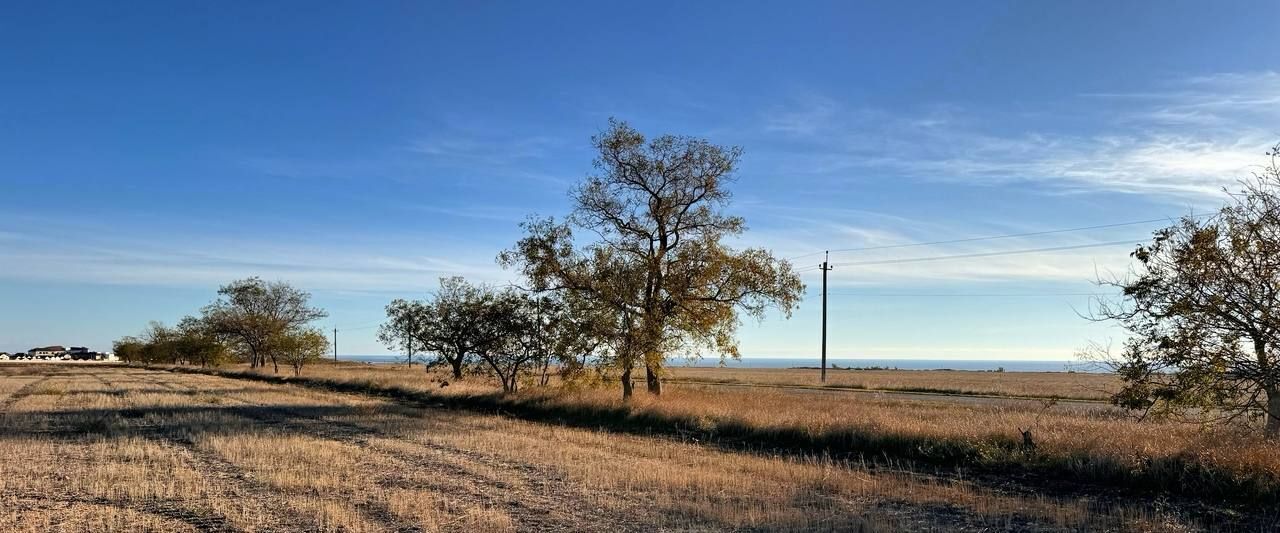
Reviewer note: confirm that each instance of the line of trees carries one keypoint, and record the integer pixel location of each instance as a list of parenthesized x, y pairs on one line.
[(507, 333), (252, 320), (647, 277)]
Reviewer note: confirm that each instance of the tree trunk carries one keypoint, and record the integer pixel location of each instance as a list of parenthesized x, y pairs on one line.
[(1273, 413), (626, 384), (653, 380), (1273, 391), (456, 364)]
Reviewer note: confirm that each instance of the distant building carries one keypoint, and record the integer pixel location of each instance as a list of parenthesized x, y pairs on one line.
[(84, 354), (47, 351), (58, 353)]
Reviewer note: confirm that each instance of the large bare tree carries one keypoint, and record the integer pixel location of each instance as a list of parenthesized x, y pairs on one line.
[(658, 262), (1202, 307)]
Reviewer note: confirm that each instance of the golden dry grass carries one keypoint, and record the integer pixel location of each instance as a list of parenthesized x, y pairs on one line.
[(1075, 385), (128, 449), (1088, 440)]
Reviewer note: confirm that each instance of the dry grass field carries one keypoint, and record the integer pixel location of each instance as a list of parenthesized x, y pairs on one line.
[(1074, 440), (1073, 385), (100, 448)]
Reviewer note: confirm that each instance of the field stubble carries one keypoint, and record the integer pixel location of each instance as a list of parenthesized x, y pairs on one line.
[(128, 449)]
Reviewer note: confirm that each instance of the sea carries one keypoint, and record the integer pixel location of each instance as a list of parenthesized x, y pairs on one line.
[(990, 365)]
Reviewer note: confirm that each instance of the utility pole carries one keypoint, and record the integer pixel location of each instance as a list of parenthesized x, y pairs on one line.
[(335, 343), (408, 334), (826, 266)]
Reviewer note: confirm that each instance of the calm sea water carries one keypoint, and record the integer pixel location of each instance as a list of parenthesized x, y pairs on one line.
[(904, 364)]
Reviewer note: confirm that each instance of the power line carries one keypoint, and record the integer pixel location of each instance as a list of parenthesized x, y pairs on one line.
[(984, 254), (995, 237)]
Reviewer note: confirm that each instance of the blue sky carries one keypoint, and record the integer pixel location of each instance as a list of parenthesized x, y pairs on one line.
[(152, 151)]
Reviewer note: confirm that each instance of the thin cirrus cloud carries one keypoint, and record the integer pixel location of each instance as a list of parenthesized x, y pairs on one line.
[(801, 235), (475, 152), (983, 263), (494, 213), (156, 260), (1215, 100), (1190, 139), (509, 159), (494, 150)]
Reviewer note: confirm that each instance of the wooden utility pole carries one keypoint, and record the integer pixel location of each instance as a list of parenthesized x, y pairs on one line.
[(335, 343), (408, 335), (826, 266)]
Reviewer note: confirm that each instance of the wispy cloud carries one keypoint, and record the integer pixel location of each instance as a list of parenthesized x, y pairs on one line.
[(490, 149), (497, 154), (202, 260), (471, 152), (1192, 139), (812, 114), (801, 234), (384, 165), (1216, 100), (1072, 266), (478, 212)]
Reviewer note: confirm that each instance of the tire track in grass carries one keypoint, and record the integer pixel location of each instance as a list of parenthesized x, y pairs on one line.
[(533, 510), (376, 511), (543, 508), (530, 512), (22, 392), (170, 509), (207, 521), (231, 482)]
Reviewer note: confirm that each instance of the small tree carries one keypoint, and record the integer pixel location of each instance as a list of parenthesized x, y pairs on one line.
[(451, 325), (251, 313), (1201, 307), (301, 347), (518, 337), (160, 344), (405, 319), (129, 349), (191, 342), (197, 343)]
